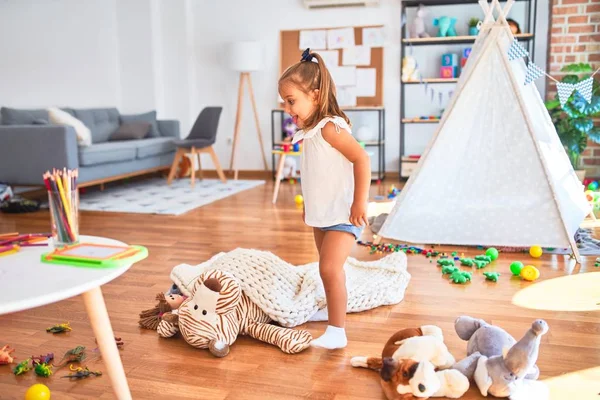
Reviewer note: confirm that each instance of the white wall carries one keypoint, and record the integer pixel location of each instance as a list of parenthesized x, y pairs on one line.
[(139, 55), (58, 53)]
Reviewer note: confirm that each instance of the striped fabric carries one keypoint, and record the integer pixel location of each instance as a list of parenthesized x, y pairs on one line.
[(516, 50), (533, 72), (585, 88), (564, 91), (221, 316)]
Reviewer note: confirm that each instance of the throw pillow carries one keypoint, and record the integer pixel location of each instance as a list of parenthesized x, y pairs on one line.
[(146, 117), (131, 131), (60, 117)]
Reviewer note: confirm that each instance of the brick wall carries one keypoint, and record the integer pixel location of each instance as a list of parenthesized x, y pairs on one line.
[(575, 37)]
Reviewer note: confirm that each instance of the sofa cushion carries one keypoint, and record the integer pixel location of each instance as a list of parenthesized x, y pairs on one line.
[(13, 116), (101, 153), (130, 131), (101, 121), (154, 146), (149, 117)]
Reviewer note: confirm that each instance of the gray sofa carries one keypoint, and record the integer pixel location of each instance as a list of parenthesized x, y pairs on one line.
[(29, 146)]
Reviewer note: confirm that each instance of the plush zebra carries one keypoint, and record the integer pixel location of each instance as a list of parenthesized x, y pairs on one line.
[(218, 311)]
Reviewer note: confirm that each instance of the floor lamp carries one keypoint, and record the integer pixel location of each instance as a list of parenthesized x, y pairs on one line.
[(245, 57)]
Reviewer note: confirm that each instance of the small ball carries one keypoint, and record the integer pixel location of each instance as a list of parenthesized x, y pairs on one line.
[(516, 268), (492, 253), (593, 185), (530, 273), (299, 199), (535, 251), (37, 392)]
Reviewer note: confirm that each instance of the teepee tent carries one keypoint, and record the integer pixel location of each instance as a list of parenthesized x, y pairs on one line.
[(495, 172)]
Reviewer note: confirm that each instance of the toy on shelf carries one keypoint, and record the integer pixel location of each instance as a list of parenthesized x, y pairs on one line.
[(400, 372), (465, 57), (409, 69), (449, 68), (446, 26), (499, 365), (474, 26), (417, 29)]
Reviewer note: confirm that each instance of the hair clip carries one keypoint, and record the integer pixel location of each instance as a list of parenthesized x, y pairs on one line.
[(306, 56)]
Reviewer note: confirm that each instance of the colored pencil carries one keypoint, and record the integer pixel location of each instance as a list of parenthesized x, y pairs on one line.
[(61, 184)]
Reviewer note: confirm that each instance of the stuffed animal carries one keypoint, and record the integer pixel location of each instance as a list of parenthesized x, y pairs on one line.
[(218, 312), (499, 365), (289, 128), (149, 319), (446, 25), (417, 29), (408, 366), (409, 69)]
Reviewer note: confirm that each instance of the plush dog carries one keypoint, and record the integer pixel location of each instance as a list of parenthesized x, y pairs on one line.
[(408, 365)]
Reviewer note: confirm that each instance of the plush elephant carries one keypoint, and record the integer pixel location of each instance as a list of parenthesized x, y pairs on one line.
[(498, 364), (218, 311), (446, 26)]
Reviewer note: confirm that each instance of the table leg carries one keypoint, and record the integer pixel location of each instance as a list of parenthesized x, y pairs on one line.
[(96, 309), (278, 177)]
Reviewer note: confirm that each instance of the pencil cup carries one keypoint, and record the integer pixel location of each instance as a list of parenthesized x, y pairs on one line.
[(64, 212)]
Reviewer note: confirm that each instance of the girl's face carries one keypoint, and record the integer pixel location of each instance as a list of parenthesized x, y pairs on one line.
[(297, 104)]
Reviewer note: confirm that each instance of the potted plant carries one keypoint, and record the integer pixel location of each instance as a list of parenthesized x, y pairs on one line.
[(473, 30), (574, 122)]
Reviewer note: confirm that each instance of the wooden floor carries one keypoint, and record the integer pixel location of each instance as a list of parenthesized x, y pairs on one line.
[(169, 368)]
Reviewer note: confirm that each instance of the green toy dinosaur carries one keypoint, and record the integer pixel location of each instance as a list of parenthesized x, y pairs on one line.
[(449, 269), (43, 369), (460, 277), (491, 276), (484, 258), (444, 262), (480, 263), (22, 367), (74, 355), (467, 262)]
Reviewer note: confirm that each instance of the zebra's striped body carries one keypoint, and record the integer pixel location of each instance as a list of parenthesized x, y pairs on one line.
[(218, 311)]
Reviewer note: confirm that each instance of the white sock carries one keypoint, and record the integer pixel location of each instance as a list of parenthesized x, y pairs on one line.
[(333, 338), (321, 315)]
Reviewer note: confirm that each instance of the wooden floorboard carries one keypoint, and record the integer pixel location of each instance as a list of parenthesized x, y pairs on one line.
[(169, 368)]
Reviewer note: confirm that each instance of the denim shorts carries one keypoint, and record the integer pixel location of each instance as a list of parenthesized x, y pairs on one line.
[(355, 230)]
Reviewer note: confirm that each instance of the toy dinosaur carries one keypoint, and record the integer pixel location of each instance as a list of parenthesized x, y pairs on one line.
[(460, 277), (5, 355), (491, 276), (444, 262), (81, 373), (59, 328), (118, 341), (43, 369), (485, 258), (74, 355), (467, 262), (22, 367), (449, 269), (42, 359), (480, 263), (149, 319)]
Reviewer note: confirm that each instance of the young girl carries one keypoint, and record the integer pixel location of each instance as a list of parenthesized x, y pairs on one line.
[(335, 175)]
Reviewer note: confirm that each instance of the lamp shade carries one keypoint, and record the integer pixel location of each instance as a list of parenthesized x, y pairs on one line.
[(245, 56)]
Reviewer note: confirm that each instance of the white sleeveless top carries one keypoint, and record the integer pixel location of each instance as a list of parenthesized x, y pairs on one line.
[(326, 176)]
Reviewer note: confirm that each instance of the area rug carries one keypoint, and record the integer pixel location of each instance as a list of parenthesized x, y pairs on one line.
[(154, 196)]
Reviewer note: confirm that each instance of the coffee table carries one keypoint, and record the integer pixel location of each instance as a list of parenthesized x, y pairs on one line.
[(22, 271)]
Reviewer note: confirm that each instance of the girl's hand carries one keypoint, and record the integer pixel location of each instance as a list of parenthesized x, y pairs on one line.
[(358, 214)]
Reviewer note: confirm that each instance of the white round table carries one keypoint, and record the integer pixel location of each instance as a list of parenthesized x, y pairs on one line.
[(23, 270)]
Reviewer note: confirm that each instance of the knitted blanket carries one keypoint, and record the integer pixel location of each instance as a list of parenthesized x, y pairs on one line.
[(291, 295)]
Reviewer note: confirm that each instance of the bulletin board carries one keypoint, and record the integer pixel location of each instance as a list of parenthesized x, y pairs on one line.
[(291, 53)]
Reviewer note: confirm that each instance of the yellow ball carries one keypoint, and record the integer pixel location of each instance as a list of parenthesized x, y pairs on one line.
[(37, 392), (535, 251), (299, 199), (530, 273)]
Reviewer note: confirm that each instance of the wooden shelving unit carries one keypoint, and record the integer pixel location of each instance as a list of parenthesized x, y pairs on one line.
[(527, 39)]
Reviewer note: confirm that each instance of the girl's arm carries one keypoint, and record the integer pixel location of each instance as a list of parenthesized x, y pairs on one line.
[(349, 147)]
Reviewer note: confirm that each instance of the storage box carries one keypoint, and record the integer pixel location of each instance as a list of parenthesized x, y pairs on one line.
[(448, 72), (408, 167), (449, 60)]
